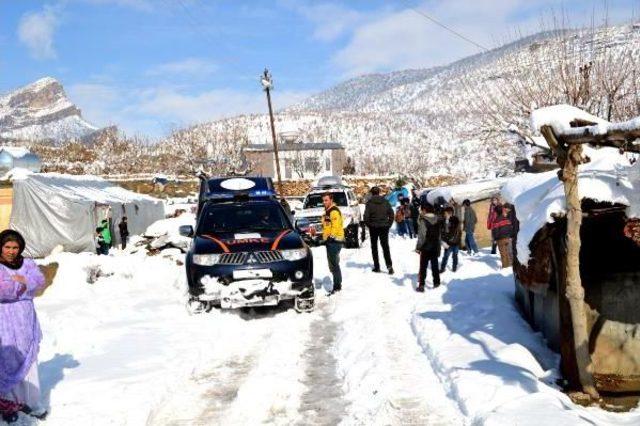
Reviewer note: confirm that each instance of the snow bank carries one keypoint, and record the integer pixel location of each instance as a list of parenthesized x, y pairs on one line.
[(608, 177), (166, 231), (498, 370), (17, 173), (472, 191)]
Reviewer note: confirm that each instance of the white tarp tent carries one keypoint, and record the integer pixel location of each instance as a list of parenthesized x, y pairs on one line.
[(54, 209)]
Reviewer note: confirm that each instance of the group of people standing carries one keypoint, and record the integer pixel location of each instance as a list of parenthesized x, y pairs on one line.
[(406, 215), (435, 227)]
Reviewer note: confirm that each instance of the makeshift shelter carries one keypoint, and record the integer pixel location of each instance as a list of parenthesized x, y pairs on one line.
[(608, 212), (54, 209), (479, 193)]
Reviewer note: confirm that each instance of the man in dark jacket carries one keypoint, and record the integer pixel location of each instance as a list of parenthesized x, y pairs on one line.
[(469, 224), (428, 246), (123, 228), (378, 216), (451, 238), (415, 209)]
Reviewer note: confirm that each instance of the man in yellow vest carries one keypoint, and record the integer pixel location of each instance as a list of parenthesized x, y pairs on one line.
[(333, 237)]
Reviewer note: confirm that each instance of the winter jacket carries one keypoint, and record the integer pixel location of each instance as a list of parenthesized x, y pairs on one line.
[(493, 214), (106, 232), (332, 227), (415, 208), (399, 214), (470, 219), (123, 228), (503, 227), (406, 208), (429, 233), (378, 213), (451, 232)]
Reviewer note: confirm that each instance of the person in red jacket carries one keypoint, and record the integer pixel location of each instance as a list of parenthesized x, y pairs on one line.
[(491, 217), (505, 228)]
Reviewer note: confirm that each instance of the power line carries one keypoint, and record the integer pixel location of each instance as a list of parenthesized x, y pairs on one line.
[(440, 24)]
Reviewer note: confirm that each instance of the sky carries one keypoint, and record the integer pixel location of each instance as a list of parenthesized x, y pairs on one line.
[(150, 66)]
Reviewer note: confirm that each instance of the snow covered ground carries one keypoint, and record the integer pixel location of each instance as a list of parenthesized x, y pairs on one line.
[(123, 350)]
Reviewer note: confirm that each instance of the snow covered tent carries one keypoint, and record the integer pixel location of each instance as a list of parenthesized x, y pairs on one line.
[(55, 209), (479, 193), (609, 189)]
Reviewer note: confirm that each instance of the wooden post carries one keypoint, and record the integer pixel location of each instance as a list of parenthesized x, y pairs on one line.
[(569, 158)]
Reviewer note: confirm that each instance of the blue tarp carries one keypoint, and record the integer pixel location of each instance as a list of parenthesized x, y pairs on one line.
[(392, 197)]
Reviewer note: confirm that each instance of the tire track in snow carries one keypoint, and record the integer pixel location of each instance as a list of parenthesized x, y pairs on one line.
[(389, 378), (204, 395), (323, 401)]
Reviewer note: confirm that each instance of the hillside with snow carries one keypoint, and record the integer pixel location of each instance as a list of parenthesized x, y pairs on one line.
[(41, 111), (431, 121)]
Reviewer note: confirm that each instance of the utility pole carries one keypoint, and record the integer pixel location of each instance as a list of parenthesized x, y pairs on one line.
[(267, 84)]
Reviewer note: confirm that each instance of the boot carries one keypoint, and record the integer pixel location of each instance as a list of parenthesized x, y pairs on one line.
[(420, 288), (390, 271)]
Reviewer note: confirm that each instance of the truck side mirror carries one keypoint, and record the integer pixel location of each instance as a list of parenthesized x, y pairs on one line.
[(186, 231)]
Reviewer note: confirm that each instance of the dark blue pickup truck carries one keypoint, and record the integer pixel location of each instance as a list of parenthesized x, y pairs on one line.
[(245, 250)]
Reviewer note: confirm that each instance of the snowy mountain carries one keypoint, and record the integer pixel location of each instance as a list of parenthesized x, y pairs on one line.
[(427, 121), (41, 111)]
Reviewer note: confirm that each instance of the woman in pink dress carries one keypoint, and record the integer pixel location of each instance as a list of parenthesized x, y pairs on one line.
[(20, 335)]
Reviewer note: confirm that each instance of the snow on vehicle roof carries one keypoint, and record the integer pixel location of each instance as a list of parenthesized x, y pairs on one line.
[(473, 191), (607, 178), (328, 180)]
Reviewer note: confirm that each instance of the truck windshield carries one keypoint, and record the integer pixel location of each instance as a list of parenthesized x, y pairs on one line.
[(242, 218), (315, 200)]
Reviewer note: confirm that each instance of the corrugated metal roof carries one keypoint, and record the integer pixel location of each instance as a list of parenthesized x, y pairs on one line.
[(302, 146)]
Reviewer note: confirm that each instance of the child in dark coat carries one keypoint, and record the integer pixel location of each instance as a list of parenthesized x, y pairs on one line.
[(451, 239)]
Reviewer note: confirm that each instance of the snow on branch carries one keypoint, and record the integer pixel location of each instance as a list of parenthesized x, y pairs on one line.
[(573, 126)]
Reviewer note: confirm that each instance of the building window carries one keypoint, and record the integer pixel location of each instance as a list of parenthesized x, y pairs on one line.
[(327, 164), (311, 165)]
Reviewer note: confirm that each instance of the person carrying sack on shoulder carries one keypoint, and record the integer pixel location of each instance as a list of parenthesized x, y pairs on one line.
[(333, 237)]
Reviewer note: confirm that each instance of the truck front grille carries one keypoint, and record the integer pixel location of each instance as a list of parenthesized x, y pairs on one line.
[(242, 258), (233, 259), (268, 256)]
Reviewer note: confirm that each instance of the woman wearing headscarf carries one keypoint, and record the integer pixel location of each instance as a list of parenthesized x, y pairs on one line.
[(20, 335)]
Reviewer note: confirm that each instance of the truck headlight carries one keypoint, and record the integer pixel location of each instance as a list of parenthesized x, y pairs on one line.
[(206, 259), (294, 254)]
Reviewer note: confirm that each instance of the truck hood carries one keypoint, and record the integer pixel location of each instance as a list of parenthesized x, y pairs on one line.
[(215, 243)]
